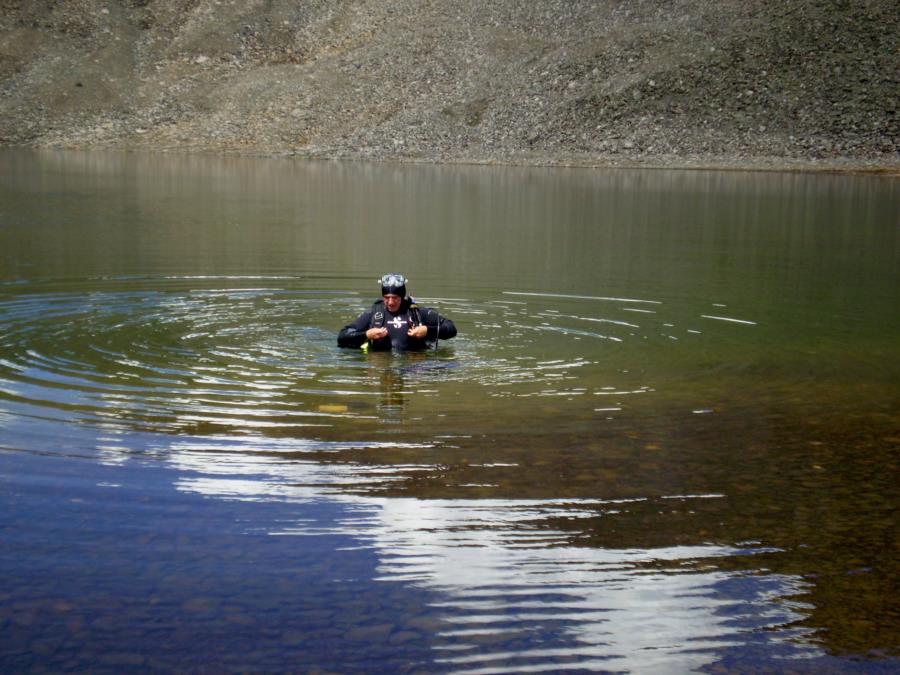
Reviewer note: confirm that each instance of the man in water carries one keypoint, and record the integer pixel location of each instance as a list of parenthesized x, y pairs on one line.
[(396, 322)]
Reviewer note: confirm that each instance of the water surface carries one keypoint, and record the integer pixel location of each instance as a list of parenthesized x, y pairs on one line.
[(665, 439)]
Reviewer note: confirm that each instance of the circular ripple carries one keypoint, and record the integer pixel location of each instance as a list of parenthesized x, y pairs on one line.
[(257, 357), (168, 360)]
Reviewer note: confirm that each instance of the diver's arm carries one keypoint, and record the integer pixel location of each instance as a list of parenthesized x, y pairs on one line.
[(438, 326), (446, 329), (354, 334)]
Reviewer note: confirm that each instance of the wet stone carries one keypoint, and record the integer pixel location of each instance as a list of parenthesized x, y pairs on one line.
[(42, 647), (426, 623), (23, 619), (329, 633), (317, 616), (200, 605), (121, 659), (369, 633), (240, 619), (294, 637), (404, 636)]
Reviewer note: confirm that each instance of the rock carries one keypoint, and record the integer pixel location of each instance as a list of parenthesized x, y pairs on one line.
[(700, 80)]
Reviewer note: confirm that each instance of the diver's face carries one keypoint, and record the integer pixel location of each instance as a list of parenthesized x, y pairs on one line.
[(392, 302)]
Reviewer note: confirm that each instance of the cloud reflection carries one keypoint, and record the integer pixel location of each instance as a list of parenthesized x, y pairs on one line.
[(513, 591)]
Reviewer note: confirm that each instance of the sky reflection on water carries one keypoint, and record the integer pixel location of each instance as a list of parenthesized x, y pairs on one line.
[(498, 588), (504, 577)]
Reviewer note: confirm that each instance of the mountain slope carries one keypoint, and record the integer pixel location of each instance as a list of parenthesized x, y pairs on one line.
[(687, 82)]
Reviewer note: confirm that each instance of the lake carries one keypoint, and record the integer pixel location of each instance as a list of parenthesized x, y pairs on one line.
[(665, 439)]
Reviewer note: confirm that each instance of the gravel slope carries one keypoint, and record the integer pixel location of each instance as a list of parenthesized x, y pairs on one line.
[(731, 83)]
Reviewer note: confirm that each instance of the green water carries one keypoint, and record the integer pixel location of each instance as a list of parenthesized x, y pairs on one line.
[(666, 386)]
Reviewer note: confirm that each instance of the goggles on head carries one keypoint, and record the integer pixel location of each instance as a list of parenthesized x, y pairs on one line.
[(394, 284)]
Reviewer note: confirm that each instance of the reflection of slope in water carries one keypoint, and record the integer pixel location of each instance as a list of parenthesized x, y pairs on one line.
[(514, 592)]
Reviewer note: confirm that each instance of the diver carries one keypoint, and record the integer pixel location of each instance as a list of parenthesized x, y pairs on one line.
[(396, 322)]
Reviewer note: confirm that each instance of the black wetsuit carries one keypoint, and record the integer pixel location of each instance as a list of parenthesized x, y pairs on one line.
[(397, 324)]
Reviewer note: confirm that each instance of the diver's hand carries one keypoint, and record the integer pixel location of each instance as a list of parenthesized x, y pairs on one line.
[(418, 332), (376, 333)]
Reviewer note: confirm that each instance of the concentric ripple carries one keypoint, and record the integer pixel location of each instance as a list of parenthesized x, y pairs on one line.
[(255, 356), (166, 360)]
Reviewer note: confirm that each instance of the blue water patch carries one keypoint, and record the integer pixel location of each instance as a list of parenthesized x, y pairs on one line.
[(109, 568), (129, 564)]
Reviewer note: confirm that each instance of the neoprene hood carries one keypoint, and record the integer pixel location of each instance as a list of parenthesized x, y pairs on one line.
[(393, 284)]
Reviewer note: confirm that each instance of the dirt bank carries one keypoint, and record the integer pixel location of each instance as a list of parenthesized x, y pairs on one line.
[(730, 83)]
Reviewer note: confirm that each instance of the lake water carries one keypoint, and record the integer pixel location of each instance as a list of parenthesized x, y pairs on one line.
[(665, 440)]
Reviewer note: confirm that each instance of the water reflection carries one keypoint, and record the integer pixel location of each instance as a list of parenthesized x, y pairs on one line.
[(514, 592), (214, 382), (665, 438)]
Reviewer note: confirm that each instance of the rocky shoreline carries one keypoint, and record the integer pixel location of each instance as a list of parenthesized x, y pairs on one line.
[(693, 84)]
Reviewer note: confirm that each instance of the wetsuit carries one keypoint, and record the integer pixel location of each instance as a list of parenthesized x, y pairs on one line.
[(397, 324)]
